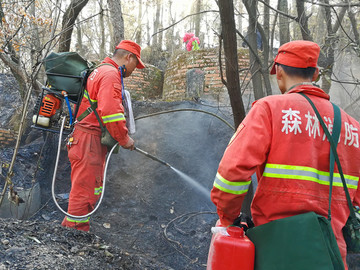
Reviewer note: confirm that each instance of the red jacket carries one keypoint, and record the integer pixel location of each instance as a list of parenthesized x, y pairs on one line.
[(104, 87), (282, 142)]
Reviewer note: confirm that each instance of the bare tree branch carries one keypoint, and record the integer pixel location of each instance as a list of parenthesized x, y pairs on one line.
[(355, 82), (355, 4), (220, 62), (194, 14), (279, 11)]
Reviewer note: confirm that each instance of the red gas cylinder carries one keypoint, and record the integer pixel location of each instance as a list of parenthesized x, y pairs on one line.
[(230, 249)]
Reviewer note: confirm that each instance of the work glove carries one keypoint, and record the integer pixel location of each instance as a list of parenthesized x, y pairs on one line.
[(243, 221)]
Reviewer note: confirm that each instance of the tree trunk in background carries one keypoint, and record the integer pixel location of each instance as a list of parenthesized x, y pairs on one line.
[(354, 26), (284, 30), (68, 22), (102, 31), (111, 31), (148, 32), (328, 50), (228, 33), (255, 65), (265, 60), (160, 39), (35, 46), (341, 15), (272, 36), (79, 42), (320, 27), (155, 38), (197, 18), (169, 34), (138, 35), (239, 19), (303, 20), (266, 23), (35, 39), (117, 22)]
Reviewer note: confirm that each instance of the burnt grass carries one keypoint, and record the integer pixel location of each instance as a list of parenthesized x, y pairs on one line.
[(149, 218), (46, 245)]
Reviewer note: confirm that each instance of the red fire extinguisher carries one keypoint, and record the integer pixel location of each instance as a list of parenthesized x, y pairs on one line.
[(230, 249)]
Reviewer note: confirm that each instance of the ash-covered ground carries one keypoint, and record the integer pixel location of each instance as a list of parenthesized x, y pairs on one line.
[(40, 244), (150, 216)]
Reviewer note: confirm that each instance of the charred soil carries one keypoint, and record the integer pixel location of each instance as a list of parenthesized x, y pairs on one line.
[(150, 218)]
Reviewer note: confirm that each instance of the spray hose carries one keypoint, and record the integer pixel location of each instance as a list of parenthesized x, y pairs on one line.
[(109, 155), (104, 176), (54, 177), (64, 93), (184, 110)]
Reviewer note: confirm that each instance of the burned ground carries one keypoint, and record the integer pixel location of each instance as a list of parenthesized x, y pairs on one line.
[(35, 244), (150, 217)]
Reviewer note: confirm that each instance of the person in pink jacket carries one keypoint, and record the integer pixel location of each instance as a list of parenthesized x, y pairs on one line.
[(85, 151), (283, 142)]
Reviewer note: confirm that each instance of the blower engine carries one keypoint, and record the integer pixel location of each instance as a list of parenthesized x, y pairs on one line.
[(49, 109), (45, 108)]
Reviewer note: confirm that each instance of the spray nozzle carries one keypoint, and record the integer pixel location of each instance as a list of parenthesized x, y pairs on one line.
[(151, 156)]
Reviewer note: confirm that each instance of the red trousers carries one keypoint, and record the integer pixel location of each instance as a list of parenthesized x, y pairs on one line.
[(87, 157)]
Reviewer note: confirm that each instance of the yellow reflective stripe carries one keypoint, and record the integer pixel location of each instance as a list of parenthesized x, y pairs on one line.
[(231, 187), (82, 220), (113, 118), (98, 191), (308, 174), (86, 95)]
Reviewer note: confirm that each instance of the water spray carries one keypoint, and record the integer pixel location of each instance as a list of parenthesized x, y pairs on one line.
[(184, 176)]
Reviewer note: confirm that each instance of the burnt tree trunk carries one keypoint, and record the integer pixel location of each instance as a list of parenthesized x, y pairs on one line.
[(228, 33), (68, 22)]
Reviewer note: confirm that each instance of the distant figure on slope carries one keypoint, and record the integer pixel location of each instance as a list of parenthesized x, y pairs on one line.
[(192, 42)]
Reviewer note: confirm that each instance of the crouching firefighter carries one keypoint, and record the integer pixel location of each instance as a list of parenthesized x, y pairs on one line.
[(104, 91)]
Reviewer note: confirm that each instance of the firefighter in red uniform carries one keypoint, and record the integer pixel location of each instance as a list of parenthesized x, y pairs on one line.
[(85, 151), (282, 141)]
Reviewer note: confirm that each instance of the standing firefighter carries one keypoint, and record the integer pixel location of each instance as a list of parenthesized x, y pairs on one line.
[(281, 140), (85, 151)]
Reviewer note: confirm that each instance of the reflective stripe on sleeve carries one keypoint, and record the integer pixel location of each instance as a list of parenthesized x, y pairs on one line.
[(308, 174), (113, 118), (231, 187), (86, 95), (98, 190)]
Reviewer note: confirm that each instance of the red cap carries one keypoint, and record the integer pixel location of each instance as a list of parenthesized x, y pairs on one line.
[(298, 54), (235, 231), (132, 47)]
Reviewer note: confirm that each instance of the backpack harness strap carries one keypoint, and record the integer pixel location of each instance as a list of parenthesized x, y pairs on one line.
[(93, 105)]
